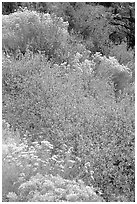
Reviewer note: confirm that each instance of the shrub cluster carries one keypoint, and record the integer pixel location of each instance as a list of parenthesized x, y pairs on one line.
[(83, 105), (33, 173), (103, 22), (75, 104), (121, 54), (34, 31)]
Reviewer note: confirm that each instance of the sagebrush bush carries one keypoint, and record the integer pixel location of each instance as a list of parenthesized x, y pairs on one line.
[(73, 102), (37, 90), (32, 173), (50, 188), (110, 69), (30, 31), (37, 31)]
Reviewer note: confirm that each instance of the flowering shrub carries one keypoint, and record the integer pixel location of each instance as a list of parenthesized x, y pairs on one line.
[(31, 172), (37, 31), (50, 188), (110, 69), (74, 104)]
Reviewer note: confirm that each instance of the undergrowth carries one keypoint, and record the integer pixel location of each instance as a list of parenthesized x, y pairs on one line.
[(72, 119), (32, 173)]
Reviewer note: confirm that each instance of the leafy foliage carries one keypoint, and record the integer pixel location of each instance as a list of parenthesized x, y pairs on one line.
[(92, 23), (68, 104), (37, 32), (118, 26), (110, 69), (50, 188), (121, 54), (74, 116), (32, 173), (123, 18)]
